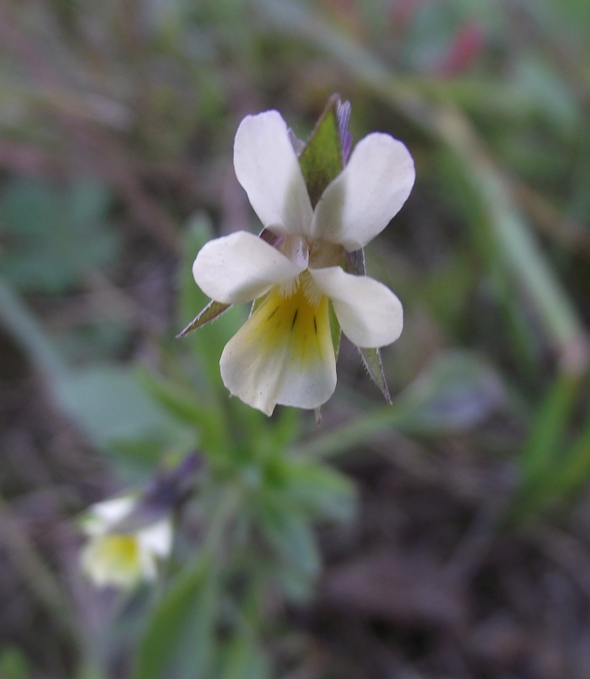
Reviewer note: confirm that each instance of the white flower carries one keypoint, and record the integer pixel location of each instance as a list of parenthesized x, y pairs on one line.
[(284, 353), (122, 559)]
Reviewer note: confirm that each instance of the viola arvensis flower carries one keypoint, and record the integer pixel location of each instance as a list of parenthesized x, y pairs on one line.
[(295, 271), (117, 557)]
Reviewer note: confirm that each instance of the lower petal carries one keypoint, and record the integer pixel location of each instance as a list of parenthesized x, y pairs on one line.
[(283, 353), (368, 312)]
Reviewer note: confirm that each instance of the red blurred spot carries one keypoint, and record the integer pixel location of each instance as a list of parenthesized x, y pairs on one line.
[(464, 50)]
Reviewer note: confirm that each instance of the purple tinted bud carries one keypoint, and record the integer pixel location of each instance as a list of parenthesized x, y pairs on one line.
[(346, 146), (343, 117)]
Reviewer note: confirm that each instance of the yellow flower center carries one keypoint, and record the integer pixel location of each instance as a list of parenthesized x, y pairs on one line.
[(113, 559), (296, 314)]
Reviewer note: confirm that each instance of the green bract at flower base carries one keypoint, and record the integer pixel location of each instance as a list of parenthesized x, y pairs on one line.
[(305, 273)]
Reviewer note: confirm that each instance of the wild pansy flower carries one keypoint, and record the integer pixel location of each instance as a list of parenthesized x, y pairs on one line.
[(118, 556), (299, 268)]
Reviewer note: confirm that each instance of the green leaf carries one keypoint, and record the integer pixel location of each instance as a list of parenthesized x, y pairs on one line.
[(547, 439), (54, 235), (290, 534), (245, 660), (575, 469), (320, 490), (108, 404), (181, 403), (178, 642), (568, 473), (177, 400), (13, 663), (321, 160)]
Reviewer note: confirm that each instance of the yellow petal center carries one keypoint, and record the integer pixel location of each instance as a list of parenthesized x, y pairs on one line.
[(113, 559), (297, 315)]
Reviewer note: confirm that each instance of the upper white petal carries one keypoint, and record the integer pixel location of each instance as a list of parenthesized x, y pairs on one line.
[(240, 267), (103, 515), (369, 313), (282, 354), (371, 189), (267, 167)]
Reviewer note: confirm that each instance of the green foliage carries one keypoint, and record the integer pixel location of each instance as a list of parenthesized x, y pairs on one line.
[(109, 404), (245, 660), (54, 236), (179, 639), (13, 663), (554, 463)]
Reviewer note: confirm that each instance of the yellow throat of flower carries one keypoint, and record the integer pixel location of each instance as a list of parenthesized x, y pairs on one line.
[(284, 353), (113, 559), (296, 315)]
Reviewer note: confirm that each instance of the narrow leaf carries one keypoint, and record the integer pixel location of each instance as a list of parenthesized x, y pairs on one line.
[(547, 439), (208, 314), (178, 639)]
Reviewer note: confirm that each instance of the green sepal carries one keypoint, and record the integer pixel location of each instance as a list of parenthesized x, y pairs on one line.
[(373, 364), (335, 330), (355, 264), (321, 160), (212, 311)]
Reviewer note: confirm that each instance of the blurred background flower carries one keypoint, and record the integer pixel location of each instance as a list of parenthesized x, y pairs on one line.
[(119, 556)]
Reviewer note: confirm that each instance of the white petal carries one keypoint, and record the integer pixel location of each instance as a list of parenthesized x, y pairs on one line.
[(240, 267), (147, 562), (157, 539), (103, 515), (267, 167), (369, 313), (282, 354), (371, 189)]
